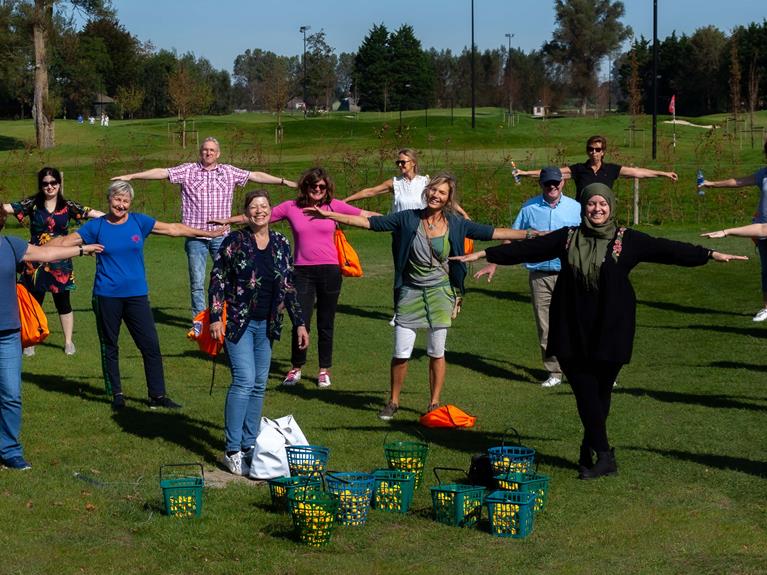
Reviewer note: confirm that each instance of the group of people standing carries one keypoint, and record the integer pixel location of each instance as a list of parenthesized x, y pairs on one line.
[(578, 259)]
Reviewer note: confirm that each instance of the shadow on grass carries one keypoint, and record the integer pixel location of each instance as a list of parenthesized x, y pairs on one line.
[(687, 309), (172, 426), (492, 367), (758, 332), (366, 312), (713, 401), (736, 365), (8, 143), (504, 295), (715, 460), (171, 319)]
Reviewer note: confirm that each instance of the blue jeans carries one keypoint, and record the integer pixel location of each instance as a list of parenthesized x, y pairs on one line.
[(249, 358), (10, 394), (197, 251)]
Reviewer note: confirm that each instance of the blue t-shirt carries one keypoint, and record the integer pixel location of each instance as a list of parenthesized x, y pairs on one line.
[(761, 182), (9, 304), (120, 267)]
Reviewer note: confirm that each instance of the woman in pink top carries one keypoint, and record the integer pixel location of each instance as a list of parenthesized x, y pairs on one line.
[(317, 274)]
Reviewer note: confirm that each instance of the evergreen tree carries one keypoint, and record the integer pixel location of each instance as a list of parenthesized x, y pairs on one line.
[(412, 77), (372, 69)]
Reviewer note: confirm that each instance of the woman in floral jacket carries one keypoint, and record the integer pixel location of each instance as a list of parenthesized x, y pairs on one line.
[(253, 275), (592, 317)]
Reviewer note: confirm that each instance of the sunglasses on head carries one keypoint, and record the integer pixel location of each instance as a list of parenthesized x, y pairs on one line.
[(401, 163), (593, 149)]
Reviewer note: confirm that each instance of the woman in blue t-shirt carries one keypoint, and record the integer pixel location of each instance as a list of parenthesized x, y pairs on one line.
[(120, 291), (12, 252)]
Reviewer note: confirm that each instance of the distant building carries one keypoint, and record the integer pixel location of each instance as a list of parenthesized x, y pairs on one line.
[(349, 105), (540, 111), (296, 104)]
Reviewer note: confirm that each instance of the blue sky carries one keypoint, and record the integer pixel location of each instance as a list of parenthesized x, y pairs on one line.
[(221, 30)]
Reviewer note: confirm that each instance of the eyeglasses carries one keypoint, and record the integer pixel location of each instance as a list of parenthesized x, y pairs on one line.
[(320, 187), (51, 183), (401, 163), (551, 184), (593, 149)]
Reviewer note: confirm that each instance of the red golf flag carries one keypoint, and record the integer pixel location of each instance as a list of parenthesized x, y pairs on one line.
[(672, 105)]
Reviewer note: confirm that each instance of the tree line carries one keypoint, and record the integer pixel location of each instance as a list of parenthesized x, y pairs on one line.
[(53, 68)]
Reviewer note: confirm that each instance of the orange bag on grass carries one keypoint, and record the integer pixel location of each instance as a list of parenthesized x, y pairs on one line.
[(206, 343), (347, 257), (34, 324), (448, 416)]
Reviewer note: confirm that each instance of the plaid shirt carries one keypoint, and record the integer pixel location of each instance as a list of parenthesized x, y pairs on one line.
[(206, 194)]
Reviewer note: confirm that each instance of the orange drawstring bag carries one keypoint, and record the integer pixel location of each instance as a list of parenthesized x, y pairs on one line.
[(448, 416), (34, 324), (206, 343), (468, 246), (347, 256)]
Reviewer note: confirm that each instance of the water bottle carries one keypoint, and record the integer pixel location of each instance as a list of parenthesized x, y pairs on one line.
[(515, 173), (700, 180)]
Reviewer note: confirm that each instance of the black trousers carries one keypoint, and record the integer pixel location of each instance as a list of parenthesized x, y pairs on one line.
[(592, 384), (60, 300), (320, 285), (137, 315)]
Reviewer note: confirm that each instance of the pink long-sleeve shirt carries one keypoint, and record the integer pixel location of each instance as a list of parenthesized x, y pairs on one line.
[(312, 237)]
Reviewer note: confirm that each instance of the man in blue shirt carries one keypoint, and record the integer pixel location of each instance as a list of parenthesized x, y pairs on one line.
[(548, 211)]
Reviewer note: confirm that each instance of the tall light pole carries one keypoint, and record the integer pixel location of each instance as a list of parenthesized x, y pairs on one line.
[(654, 78), (508, 68), (303, 30), (473, 82)]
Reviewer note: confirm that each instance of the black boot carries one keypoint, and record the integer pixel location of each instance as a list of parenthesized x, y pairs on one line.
[(605, 465), (585, 460)]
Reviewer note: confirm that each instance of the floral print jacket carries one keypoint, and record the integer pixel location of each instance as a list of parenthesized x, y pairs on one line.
[(234, 280)]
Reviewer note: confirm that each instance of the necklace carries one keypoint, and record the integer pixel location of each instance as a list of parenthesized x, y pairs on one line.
[(431, 225)]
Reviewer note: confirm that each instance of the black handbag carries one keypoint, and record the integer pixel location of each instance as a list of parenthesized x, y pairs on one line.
[(481, 471)]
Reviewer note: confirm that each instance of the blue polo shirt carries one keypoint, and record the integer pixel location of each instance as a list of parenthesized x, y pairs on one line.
[(537, 214)]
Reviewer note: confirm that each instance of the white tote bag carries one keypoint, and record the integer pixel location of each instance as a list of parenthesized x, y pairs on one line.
[(269, 457)]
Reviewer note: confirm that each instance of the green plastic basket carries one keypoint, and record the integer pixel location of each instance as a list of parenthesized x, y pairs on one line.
[(456, 504), (305, 460), (511, 513), (313, 513), (537, 483), (354, 491), (281, 488), (393, 490), (407, 456), (511, 458), (182, 492)]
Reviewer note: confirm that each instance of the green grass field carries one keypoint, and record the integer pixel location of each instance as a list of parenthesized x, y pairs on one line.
[(688, 416)]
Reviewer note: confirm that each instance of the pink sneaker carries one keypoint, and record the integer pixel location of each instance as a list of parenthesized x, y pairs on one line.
[(323, 379), (293, 377)]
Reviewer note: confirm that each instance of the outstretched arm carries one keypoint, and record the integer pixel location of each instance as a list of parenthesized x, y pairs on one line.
[(509, 234), (387, 186), (49, 253), (749, 231), (731, 182), (264, 178), (153, 174), (628, 172), (356, 221), (182, 230)]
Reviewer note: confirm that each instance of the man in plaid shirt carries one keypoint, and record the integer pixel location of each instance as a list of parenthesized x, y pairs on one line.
[(207, 190)]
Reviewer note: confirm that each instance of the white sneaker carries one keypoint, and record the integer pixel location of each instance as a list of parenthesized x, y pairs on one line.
[(234, 463), (293, 377), (323, 379), (70, 349), (552, 381), (29, 351), (761, 315)]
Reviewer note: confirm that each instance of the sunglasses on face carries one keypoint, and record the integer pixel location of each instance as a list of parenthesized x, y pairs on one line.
[(320, 187), (51, 183), (593, 149), (401, 163), (551, 184)]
